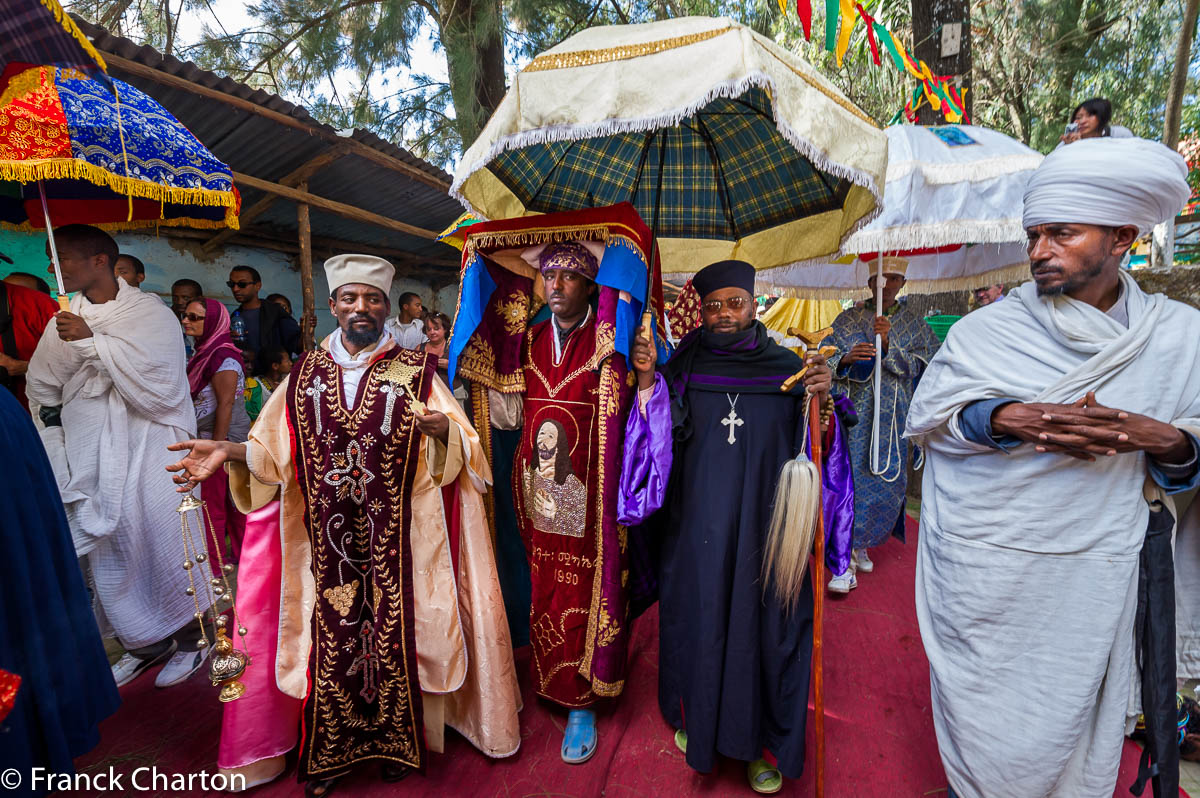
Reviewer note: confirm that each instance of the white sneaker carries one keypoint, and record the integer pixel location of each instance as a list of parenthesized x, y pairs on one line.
[(843, 583), (181, 667), (129, 667), (862, 562)]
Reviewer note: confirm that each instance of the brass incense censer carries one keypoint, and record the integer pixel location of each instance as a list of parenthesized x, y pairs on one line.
[(226, 664)]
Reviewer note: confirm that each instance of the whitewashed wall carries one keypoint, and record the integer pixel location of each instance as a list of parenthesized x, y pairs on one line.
[(168, 260)]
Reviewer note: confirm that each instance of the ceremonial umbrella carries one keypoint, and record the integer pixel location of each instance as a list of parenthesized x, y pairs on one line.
[(115, 159), (952, 207), (728, 145), (38, 33)]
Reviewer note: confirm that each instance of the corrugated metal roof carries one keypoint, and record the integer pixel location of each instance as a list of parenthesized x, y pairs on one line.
[(268, 149)]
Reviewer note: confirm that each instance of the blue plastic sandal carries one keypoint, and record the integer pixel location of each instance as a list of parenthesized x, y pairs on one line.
[(579, 741)]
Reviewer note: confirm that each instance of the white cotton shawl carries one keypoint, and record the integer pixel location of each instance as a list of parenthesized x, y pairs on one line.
[(1108, 181), (1027, 568), (124, 398)]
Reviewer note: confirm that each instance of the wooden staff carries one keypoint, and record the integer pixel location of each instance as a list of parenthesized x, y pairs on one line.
[(814, 424)]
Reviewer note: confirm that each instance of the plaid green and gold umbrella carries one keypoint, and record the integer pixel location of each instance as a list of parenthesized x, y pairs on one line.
[(728, 145)]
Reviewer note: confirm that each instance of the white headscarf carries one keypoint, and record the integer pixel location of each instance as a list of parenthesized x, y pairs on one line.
[(1108, 181)]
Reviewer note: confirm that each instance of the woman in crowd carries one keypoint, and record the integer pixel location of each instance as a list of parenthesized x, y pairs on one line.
[(437, 330), (1092, 119), (271, 367), (217, 380)]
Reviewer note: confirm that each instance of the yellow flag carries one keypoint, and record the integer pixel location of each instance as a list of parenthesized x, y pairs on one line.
[(849, 18)]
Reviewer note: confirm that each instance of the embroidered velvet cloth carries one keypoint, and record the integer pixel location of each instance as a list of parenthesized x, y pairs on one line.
[(364, 696), (565, 485)]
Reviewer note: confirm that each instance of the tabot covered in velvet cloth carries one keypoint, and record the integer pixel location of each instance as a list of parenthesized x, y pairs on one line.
[(579, 554), (109, 157)]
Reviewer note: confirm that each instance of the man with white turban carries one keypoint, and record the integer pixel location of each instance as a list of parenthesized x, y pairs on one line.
[(1060, 400)]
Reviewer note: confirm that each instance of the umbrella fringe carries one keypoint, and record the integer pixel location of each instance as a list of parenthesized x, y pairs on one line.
[(939, 174), (229, 223), (70, 27), (75, 169), (532, 238), (940, 234), (1013, 272), (671, 118)]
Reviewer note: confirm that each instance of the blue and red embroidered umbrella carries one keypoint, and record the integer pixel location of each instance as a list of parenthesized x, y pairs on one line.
[(115, 159)]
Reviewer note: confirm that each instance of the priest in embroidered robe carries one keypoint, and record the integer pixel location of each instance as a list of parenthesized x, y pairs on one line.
[(1076, 400), (908, 344), (714, 434), (565, 480), (367, 580)]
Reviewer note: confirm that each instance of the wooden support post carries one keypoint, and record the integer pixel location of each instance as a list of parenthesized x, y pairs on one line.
[(308, 321)]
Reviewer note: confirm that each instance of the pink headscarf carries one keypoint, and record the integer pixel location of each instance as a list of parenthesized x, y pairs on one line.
[(213, 346)]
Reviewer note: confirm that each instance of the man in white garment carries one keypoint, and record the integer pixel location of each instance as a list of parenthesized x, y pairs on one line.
[(1078, 400), (111, 377), (407, 328)]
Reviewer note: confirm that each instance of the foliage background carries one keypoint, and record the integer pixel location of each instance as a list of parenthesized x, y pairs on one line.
[(351, 62)]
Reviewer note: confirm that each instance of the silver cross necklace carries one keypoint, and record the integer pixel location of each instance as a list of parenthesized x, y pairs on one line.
[(732, 421)]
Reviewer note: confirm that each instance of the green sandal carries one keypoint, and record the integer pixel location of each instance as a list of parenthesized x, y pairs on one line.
[(764, 779), (681, 741)]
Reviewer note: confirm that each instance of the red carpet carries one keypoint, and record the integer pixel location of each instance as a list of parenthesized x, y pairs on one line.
[(879, 730)]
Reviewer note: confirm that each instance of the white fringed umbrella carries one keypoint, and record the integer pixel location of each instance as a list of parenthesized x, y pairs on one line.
[(952, 206)]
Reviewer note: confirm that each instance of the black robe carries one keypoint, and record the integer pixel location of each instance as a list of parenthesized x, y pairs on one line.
[(733, 665)]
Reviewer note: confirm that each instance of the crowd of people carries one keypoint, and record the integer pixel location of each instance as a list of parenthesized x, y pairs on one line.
[(370, 506)]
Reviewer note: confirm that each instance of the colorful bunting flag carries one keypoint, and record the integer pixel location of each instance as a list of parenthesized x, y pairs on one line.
[(847, 28), (832, 8), (804, 10), (869, 23), (937, 90)]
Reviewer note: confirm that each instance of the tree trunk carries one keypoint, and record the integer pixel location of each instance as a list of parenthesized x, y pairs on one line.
[(928, 17), (1162, 247), (1183, 53), (472, 36)]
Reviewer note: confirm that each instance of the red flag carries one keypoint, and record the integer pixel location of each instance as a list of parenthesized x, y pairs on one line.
[(867, 18), (804, 9)]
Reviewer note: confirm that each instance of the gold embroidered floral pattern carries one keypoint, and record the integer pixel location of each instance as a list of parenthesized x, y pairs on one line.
[(515, 313), (609, 628), (342, 597)]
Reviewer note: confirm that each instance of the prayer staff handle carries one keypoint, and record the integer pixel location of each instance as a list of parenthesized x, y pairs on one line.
[(647, 325), (790, 382)]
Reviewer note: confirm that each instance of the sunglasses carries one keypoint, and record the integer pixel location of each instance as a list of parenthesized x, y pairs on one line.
[(192, 317), (239, 283), (733, 303)]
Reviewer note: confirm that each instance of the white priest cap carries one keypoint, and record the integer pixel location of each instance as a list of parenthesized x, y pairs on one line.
[(366, 269), (1111, 182)]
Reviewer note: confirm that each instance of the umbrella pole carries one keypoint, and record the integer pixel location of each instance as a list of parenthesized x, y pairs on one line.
[(814, 422), (878, 365), (647, 312), (63, 302)]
